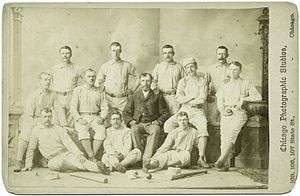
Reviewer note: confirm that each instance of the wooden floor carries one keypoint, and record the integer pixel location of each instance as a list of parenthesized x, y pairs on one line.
[(35, 181)]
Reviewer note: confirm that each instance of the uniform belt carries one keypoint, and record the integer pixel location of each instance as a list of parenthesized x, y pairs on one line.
[(89, 113), (143, 120), (168, 93), (198, 106), (64, 93), (116, 96)]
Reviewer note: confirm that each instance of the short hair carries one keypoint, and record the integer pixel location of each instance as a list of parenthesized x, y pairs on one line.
[(46, 110), (222, 47), (182, 113), (116, 112), (167, 46), (144, 74), (89, 69), (236, 63), (115, 44), (65, 47), (44, 73)]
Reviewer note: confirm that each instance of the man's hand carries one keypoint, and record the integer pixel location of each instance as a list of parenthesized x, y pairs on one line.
[(228, 112), (82, 121), (155, 122), (132, 123), (100, 121), (171, 92), (129, 92), (120, 156), (81, 158)]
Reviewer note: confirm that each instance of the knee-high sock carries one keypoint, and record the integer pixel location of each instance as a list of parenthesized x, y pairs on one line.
[(86, 143), (225, 152), (96, 145), (202, 146), (132, 157), (22, 146)]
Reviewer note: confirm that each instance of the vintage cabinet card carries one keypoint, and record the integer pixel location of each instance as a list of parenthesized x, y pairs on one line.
[(150, 98)]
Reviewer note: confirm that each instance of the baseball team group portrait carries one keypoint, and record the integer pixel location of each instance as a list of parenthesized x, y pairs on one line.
[(138, 97)]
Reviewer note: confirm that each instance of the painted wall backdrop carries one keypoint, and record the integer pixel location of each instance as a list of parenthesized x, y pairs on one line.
[(141, 32)]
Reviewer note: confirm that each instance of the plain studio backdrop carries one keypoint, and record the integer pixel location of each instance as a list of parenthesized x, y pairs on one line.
[(142, 32)]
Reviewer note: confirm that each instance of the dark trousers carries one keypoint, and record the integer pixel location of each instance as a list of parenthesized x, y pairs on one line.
[(147, 138)]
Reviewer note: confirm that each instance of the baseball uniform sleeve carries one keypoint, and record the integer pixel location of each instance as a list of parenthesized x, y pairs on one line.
[(100, 78), (103, 106), (74, 104), (127, 143), (108, 147), (167, 144), (220, 98), (180, 95)]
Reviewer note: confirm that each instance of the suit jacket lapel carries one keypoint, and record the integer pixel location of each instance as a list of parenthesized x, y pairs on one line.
[(141, 95), (149, 96), (143, 98)]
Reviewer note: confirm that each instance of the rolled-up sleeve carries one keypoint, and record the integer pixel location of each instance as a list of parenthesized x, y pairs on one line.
[(180, 95), (100, 78), (202, 94)]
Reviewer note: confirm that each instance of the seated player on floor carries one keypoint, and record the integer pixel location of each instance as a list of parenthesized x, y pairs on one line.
[(118, 152), (176, 150), (57, 147)]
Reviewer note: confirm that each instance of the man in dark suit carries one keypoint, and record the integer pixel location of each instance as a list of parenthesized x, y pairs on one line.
[(146, 113)]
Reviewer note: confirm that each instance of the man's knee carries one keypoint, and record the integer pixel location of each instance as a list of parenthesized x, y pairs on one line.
[(100, 133), (137, 152), (105, 157)]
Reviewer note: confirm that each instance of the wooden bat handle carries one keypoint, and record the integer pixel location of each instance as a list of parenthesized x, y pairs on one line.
[(95, 179), (179, 176)]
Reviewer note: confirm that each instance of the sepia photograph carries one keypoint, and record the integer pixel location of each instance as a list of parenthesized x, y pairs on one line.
[(138, 98)]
